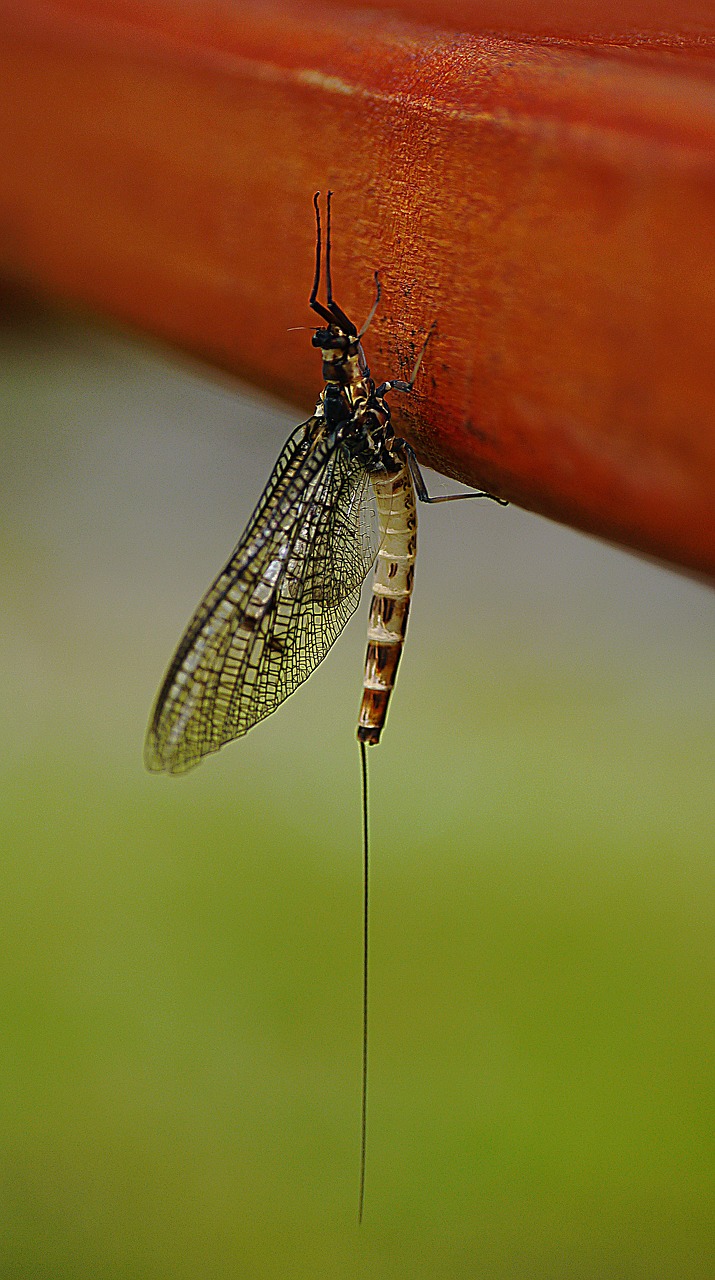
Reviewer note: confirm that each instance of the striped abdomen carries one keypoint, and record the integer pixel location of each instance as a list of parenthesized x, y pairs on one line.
[(391, 594)]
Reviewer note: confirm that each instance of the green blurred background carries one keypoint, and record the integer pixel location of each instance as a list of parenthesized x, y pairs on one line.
[(180, 972)]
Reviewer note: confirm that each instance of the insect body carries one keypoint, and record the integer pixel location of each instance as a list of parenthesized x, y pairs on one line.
[(342, 497), (391, 595), (294, 579)]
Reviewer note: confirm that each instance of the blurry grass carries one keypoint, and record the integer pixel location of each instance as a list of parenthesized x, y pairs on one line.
[(180, 961), (181, 992)]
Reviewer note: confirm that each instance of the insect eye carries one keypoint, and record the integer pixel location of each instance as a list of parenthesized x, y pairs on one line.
[(329, 340)]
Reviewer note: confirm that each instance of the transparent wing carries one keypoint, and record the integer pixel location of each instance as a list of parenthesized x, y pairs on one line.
[(277, 607)]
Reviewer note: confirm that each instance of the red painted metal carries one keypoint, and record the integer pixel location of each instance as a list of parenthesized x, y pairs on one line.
[(548, 200)]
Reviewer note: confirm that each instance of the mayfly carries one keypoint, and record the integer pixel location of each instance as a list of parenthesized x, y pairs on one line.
[(340, 500)]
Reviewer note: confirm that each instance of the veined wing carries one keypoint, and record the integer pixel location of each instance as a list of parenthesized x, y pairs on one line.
[(276, 608)]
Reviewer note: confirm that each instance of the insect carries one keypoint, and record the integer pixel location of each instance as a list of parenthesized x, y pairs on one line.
[(341, 498)]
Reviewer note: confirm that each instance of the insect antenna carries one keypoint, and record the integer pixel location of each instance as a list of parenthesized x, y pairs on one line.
[(365, 970)]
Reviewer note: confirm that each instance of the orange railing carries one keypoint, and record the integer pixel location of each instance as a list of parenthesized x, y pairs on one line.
[(541, 187)]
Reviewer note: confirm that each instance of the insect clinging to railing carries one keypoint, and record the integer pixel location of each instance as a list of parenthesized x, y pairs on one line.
[(341, 498)]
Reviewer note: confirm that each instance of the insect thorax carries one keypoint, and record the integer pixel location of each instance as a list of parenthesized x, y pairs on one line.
[(348, 401), (362, 428), (343, 359)]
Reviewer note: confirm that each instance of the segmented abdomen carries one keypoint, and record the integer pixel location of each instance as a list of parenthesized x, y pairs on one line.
[(391, 595)]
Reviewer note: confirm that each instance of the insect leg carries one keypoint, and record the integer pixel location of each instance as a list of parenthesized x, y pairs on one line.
[(421, 487), (376, 303), (318, 306), (338, 315), (397, 384), (332, 314)]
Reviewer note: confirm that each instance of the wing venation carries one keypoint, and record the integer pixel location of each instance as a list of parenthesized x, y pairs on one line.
[(276, 608)]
